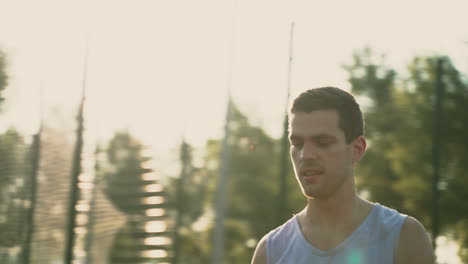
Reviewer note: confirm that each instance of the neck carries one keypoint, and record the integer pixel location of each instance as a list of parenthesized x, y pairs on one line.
[(341, 208)]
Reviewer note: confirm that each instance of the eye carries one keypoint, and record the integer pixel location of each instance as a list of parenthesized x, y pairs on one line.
[(325, 142), (297, 144)]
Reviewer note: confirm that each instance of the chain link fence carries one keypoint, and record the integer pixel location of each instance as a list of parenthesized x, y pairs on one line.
[(36, 182)]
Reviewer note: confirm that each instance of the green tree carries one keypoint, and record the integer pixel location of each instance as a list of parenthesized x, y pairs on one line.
[(121, 175), (131, 185), (12, 187), (187, 197), (252, 186), (397, 169), (377, 83), (252, 193)]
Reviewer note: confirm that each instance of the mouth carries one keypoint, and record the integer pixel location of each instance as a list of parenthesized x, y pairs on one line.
[(311, 175)]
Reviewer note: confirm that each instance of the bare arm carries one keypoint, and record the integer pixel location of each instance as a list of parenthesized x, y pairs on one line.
[(259, 256), (414, 245)]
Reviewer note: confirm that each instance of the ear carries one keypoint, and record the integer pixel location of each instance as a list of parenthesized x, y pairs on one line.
[(358, 146)]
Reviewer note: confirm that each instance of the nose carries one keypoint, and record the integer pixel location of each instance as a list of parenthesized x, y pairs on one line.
[(309, 152)]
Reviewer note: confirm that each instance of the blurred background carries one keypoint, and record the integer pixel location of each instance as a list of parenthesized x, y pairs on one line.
[(153, 131)]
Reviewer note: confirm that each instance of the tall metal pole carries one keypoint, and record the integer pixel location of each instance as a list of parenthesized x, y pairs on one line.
[(180, 192), (221, 191), (221, 195), (36, 152), (76, 171), (92, 214), (283, 176), (437, 142)]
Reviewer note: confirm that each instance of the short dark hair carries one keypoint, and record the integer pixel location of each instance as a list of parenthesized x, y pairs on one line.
[(332, 98)]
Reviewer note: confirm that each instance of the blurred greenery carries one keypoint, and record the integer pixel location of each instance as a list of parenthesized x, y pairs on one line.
[(121, 172), (252, 194), (190, 186), (400, 120), (11, 146), (396, 171), (13, 172)]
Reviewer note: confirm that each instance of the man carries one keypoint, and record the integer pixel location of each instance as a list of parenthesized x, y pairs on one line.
[(337, 225)]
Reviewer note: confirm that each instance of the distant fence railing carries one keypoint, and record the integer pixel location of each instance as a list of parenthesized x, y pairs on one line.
[(35, 184)]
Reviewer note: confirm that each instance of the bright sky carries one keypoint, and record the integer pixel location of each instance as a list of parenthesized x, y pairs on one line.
[(161, 68)]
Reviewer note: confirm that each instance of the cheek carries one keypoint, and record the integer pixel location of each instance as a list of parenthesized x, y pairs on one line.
[(294, 154), (350, 155), (338, 158)]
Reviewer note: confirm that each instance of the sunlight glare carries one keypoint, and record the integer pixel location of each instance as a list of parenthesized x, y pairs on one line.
[(153, 200), (80, 230), (153, 188), (155, 212), (82, 207), (149, 176), (157, 241), (158, 253), (155, 226), (85, 185)]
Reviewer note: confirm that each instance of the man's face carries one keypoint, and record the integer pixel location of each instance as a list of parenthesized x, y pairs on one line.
[(322, 160)]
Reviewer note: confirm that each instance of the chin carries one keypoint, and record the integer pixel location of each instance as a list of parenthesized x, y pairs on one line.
[(314, 194), (310, 194)]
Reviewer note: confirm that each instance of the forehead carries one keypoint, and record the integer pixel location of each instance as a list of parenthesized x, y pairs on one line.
[(315, 123)]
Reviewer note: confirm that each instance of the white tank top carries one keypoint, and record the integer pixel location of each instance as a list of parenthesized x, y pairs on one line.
[(374, 241)]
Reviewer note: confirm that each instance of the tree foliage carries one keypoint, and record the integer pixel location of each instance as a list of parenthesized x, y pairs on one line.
[(396, 171), (253, 193), (400, 120), (131, 185), (13, 151), (121, 172), (187, 197)]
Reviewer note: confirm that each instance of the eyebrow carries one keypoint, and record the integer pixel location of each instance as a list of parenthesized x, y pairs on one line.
[(315, 137)]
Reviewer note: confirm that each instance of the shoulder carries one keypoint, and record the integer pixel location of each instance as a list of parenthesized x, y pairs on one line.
[(388, 215), (414, 245), (285, 230), (275, 239), (259, 256), (387, 221)]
